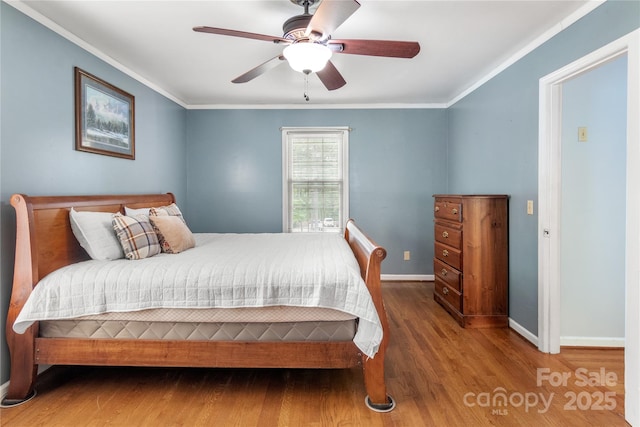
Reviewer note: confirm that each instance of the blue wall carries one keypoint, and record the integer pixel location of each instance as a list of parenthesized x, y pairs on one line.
[(37, 152), (493, 140), (396, 162)]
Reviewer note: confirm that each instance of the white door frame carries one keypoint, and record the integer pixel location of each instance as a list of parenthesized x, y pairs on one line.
[(549, 232)]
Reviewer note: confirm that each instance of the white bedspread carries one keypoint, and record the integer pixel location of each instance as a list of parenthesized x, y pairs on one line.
[(223, 270)]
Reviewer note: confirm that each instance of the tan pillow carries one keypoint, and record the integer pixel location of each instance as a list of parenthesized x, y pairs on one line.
[(173, 233)]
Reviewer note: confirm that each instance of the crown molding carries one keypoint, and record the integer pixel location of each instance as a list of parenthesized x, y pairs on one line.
[(314, 106)]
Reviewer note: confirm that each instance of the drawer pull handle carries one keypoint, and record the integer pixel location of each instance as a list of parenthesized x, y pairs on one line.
[(445, 252), (437, 208), (444, 271), (445, 234), (454, 211), (445, 290)]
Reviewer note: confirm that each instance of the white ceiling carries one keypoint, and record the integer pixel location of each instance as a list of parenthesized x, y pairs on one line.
[(462, 42)]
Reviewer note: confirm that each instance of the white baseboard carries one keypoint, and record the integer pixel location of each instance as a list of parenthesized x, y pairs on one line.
[(570, 341), (591, 342), (533, 339), (407, 277)]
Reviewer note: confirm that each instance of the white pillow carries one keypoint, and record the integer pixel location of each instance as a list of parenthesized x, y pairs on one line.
[(96, 235), (133, 212)]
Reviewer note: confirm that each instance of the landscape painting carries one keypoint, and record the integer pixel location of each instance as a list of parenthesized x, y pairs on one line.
[(104, 117)]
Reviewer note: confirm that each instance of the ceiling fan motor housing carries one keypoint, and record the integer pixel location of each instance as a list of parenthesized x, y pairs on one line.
[(295, 27)]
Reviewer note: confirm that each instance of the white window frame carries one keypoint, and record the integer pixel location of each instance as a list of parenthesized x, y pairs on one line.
[(286, 169)]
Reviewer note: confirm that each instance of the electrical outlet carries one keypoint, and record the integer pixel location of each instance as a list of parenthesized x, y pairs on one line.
[(407, 255)]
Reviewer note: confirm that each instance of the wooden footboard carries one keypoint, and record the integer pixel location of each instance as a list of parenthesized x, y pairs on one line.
[(370, 257), (45, 242)]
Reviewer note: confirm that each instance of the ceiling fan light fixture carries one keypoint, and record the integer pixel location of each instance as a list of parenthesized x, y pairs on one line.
[(307, 57)]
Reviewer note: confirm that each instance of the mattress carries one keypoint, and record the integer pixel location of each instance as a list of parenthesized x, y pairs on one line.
[(279, 323), (235, 331)]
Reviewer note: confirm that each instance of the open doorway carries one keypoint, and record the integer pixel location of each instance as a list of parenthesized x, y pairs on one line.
[(549, 189), (592, 209)]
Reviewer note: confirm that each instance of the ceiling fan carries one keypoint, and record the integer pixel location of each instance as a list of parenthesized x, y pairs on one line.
[(309, 42)]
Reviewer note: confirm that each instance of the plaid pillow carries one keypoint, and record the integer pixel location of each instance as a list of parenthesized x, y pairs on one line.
[(136, 236), (171, 210)]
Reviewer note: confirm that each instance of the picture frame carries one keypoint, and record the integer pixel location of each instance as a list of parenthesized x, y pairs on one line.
[(105, 117)]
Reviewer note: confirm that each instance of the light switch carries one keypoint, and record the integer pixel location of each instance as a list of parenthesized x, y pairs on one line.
[(582, 134), (529, 207)]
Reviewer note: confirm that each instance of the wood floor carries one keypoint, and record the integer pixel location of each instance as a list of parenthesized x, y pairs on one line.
[(438, 373)]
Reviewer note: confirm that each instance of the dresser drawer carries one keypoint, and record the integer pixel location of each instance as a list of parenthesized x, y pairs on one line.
[(448, 235), (449, 255), (447, 210), (449, 275), (450, 295)]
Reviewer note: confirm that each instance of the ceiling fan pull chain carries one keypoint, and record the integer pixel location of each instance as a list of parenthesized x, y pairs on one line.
[(306, 87)]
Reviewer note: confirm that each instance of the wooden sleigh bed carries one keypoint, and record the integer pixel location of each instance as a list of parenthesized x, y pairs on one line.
[(45, 242)]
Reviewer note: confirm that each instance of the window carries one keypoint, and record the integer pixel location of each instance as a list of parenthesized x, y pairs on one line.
[(315, 179)]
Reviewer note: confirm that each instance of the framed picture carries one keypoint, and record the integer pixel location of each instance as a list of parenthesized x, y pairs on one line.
[(105, 121)]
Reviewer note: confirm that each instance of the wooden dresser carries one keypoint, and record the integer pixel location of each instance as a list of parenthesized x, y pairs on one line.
[(471, 260)]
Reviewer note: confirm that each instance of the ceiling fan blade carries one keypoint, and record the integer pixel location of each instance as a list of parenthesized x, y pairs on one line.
[(329, 16), (331, 77), (388, 48), (259, 70), (243, 34)]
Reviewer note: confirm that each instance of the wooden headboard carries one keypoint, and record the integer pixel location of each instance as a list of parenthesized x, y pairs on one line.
[(44, 240), (44, 243)]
